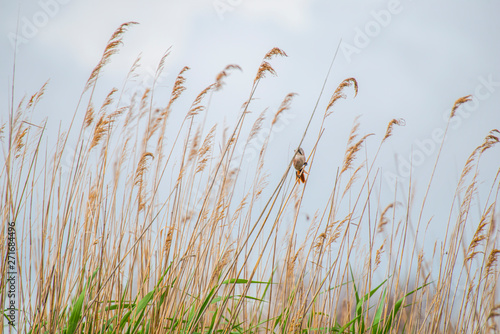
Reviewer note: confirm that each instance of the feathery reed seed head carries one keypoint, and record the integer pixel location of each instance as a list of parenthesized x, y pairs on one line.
[(458, 103), (339, 94), (285, 105), (111, 48), (388, 132), (219, 80), (265, 67)]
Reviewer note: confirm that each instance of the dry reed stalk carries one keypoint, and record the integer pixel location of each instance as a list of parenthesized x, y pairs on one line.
[(351, 152), (143, 104), (237, 213), (274, 52), (265, 67), (479, 236), (494, 312), (219, 80), (111, 48), (320, 240), (132, 73), (469, 165), (353, 179), (458, 103), (383, 219), (285, 105), (2, 131), (338, 229), (35, 98), (131, 116), (19, 141), (194, 145), (339, 94), (205, 150), (161, 64), (108, 100), (390, 126), (257, 125), (89, 115), (196, 107), (490, 140), (139, 181), (353, 134), (378, 255), (100, 130), (491, 262)]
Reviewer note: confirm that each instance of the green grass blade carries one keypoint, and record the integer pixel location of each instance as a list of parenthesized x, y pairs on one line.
[(397, 307), (76, 313), (350, 323), (144, 302), (125, 319), (358, 303), (141, 308), (377, 319)]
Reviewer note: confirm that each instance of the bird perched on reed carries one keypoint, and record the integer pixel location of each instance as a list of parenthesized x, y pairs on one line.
[(299, 162)]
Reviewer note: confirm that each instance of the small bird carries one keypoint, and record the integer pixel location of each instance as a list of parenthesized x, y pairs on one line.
[(299, 162)]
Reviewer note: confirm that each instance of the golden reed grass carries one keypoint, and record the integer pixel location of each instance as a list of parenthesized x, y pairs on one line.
[(156, 227)]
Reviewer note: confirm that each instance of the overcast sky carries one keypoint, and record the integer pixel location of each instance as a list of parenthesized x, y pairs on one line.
[(412, 60)]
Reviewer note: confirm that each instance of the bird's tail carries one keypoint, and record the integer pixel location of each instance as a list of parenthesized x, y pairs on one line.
[(300, 176)]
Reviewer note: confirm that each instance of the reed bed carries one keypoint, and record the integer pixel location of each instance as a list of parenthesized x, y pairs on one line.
[(149, 231)]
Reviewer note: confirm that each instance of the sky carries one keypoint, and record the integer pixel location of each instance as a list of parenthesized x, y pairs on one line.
[(411, 59)]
